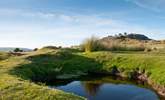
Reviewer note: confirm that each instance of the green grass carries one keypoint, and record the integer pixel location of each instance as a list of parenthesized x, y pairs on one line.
[(151, 63), (17, 85), (4, 55), (20, 75)]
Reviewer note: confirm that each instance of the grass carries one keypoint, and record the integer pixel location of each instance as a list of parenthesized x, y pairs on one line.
[(94, 44), (4, 55), (91, 44), (151, 63), (48, 64), (14, 86), (17, 89), (21, 76), (118, 47)]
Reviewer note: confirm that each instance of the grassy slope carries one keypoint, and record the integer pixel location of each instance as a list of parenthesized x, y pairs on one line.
[(151, 63), (44, 65), (14, 87), (4, 55)]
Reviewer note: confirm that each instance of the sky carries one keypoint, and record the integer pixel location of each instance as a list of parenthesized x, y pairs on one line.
[(38, 23)]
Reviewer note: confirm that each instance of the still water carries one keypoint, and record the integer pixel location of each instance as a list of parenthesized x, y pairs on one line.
[(107, 88)]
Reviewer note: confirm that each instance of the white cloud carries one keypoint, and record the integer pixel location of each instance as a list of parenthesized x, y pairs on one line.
[(74, 28)]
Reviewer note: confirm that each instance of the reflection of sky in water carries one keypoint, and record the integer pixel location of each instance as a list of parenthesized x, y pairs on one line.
[(95, 91)]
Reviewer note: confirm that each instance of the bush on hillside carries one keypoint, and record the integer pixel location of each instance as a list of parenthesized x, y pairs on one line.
[(18, 50), (52, 47), (35, 49), (91, 44), (147, 50)]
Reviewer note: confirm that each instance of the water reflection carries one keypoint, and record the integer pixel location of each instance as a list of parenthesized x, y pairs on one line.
[(108, 88), (91, 88)]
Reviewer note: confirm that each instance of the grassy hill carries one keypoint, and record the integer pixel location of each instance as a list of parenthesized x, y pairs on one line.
[(131, 42), (19, 73), (130, 36), (4, 55), (24, 76), (7, 49)]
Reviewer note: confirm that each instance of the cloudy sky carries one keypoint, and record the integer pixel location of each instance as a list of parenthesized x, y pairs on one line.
[(36, 23)]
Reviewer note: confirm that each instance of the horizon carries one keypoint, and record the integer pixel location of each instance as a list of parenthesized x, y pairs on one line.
[(77, 44), (38, 23)]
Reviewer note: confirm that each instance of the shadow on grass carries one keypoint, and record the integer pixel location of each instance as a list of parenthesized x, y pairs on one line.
[(46, 67)]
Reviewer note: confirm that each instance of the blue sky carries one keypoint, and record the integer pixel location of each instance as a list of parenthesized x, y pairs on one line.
[(36, 23)]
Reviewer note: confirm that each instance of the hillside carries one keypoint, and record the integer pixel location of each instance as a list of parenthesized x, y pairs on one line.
[(5, 55), (137, 37), (124, 37), (7, 49), (131, 41), (20, 74)]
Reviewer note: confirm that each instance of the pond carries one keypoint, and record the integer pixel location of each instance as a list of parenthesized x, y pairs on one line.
[(107, 88)]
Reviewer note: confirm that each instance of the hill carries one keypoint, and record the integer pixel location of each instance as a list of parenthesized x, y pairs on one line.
[(137, 37), (125, 36), (5, 55), (7, 49), (131, 36), (20, 74), (134, 42)]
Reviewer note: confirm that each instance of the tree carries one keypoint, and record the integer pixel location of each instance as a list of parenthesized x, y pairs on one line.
[(17, 50), (120, 34), (125, 33), (35, 49), (59, 47)]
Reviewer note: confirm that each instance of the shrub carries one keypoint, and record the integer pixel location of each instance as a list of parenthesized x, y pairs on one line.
[(35, 49), (91, 44), (18, 50), (147, 50), (50, 47)]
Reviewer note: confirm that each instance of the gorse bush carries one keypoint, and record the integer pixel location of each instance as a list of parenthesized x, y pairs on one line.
[(91, 44)]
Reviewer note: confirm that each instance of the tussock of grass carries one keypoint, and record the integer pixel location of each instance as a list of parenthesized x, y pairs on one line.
[(91, 44)]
